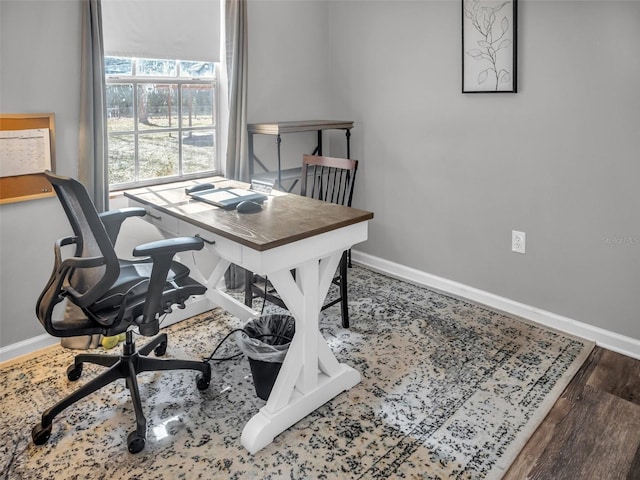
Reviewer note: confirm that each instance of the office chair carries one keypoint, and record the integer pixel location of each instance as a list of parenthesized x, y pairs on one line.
[(331, 180), (113, 296)]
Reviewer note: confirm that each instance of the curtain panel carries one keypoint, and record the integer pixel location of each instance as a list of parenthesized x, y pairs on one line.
[(236, 46), (92, 155)]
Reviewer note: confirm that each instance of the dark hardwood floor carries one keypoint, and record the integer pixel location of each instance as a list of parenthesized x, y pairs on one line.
[(593, 430)]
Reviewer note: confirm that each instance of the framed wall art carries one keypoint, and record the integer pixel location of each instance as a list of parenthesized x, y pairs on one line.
[(489, 42)]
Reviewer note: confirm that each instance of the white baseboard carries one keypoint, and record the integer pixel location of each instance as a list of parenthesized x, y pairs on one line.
[(25, 347), (603, 338)]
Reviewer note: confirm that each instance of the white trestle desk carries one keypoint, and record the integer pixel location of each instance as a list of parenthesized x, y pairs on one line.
[(291, 232)]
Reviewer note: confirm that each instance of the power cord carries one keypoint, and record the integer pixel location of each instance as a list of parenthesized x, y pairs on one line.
[(231, 357), (224, 359), (211, 357)]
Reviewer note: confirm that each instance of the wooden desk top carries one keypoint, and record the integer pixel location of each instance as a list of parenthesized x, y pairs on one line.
[(276, 128), (285, 217)]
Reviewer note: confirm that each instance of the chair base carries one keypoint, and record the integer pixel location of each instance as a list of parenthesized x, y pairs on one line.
[(126, 366)]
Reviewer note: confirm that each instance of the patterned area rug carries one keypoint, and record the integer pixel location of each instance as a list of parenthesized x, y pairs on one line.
[(449, 389)]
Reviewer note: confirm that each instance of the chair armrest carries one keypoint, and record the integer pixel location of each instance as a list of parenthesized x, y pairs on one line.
[(161, 253), (112, 220), (169, 246)]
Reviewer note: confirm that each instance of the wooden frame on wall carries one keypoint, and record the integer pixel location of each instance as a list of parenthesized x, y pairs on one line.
[(489, 46), (19, 188)]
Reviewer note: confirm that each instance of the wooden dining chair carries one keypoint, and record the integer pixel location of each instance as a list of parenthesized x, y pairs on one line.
[(332, 180)]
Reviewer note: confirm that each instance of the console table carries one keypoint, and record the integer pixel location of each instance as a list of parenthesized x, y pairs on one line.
[(280, 128)]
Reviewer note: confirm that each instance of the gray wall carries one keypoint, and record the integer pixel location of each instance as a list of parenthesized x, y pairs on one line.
[(40, 52), (288, 73), (450, 175), (447, 175)]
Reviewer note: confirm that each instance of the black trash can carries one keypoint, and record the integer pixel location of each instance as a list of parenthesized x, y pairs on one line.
[(265, 341)]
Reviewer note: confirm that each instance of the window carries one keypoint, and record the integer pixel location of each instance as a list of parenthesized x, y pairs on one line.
[(161, 120)]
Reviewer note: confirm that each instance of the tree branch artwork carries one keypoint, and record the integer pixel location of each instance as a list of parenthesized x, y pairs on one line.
[(489, 32)]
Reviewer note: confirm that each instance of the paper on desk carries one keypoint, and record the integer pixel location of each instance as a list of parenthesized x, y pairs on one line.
[(23, 152)]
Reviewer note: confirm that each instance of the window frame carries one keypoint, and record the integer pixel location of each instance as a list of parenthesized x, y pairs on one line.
[(178, 81)]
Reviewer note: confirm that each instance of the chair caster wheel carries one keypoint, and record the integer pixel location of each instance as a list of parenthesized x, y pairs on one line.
[(204, 379), (160, 350), (135, 442), (74, 371), (40, 434)]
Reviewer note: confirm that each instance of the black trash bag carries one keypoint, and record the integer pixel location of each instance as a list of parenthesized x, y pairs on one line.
[(267, 338)]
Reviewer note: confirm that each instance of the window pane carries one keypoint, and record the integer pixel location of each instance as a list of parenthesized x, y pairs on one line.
[(119, 107), (161, 119), (122, 154), (196, 69), (157, 106), (158, 155), (197, 106), (155, 68), (198, 152), (117, 66)]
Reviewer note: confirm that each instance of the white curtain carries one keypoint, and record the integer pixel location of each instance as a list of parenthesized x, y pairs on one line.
[(237, 161), (92, 158)]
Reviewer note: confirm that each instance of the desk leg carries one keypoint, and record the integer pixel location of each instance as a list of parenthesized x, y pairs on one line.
[(310, 375)]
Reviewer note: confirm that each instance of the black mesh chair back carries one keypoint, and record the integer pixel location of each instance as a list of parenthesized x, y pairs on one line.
[(89, 283)]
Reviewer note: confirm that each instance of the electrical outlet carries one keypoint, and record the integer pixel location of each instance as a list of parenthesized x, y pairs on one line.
[(518, 241)]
